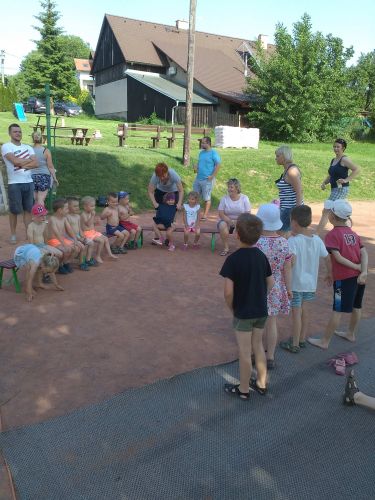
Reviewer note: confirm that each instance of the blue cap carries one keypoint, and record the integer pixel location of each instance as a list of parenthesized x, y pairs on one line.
[(123, 194)]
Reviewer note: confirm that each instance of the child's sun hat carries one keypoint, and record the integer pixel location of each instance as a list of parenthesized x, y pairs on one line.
[(269, 214)]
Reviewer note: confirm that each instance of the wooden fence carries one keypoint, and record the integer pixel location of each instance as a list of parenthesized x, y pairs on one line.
[(205, 116)]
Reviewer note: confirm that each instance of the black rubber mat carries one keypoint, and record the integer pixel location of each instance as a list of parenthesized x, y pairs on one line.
[(185, 438)]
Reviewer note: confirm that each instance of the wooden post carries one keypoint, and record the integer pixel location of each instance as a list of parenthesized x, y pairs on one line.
[(190, 83)]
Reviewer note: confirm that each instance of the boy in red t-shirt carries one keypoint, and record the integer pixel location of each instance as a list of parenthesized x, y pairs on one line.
[(349, 272)]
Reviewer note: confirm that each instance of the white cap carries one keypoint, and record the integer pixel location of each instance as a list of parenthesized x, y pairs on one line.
[(341, 208), (269, 214)]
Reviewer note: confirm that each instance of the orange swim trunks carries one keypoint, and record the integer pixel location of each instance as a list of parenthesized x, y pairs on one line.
[(54, 242), (91, 234)]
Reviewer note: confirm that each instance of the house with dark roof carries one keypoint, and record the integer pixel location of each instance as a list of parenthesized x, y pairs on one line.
[(141, 67)]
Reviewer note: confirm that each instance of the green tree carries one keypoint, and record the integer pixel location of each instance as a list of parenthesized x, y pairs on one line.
[(8, 95), (301, 92), (363, 81), (74, 46), (50, 63)]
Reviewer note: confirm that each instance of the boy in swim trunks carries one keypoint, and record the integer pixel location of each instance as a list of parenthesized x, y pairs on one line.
[(36, 231), (74, 218), (111, 215), (125, 211), (61, 236), (88, 216)]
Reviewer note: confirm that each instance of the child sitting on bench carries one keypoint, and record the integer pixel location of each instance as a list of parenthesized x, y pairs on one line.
[(164, 219)]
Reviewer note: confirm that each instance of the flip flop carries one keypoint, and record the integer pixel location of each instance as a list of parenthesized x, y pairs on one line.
[(288, 346), (235, 389), (223, 253)]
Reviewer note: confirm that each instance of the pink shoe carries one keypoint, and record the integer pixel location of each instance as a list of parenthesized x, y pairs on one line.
[(350, 358), (338, 365), (171, 248), (184, 247)]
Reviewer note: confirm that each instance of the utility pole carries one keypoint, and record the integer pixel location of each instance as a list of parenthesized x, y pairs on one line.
[(190, 83), (2, 64)]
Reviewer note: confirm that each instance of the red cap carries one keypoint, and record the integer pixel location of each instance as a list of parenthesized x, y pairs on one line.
[(39, 210)]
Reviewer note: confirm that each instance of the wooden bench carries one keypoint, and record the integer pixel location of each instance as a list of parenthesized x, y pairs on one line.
[(179, 130), (77, 140), (10, 264), (124, 131), (204, 230)]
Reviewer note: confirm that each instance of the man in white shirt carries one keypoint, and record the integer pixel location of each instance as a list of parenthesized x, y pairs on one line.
[(19, 159)]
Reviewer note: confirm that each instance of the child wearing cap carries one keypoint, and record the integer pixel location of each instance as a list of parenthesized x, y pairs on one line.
[(349, 272), (276, 249), (36, 231), (125, 212), (306, 248), (164, 219)]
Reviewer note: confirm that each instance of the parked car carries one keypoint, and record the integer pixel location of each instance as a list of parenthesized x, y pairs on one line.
[(34, 105), (67, 108)]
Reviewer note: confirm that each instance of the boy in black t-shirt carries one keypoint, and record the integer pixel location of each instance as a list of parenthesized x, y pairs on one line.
[(164, 219), (248, 277)]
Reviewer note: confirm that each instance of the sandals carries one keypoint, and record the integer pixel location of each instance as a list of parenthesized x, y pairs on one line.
[(288, 346), (350, 358), (224, 252), (338, 365), (253, 385), (351, 388), (235, 389)]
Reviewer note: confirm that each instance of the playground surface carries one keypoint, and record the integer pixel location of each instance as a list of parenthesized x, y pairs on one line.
[(148, 316)]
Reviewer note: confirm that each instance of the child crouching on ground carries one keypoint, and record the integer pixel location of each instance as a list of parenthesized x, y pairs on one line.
[(164, 219), (248, 278), (125, 212), (88, 227), (306, 248), (349, 272), (30, 257), (191, 214)]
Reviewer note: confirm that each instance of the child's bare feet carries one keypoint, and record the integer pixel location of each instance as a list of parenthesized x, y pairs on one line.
[(317, 343), (99, 260), (111, 256), (345, 335)]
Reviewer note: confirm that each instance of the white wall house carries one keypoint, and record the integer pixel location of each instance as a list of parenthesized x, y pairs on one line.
[(83, 70)]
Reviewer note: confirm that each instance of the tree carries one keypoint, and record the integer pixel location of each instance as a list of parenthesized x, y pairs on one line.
[(74, 46), (363, 81), (302, 91), (50, 63)]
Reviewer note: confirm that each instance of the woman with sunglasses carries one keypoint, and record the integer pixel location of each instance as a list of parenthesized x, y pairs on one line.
[(231, 206)]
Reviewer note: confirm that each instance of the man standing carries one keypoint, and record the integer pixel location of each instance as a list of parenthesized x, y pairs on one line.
[(19, 160), (207, 169)]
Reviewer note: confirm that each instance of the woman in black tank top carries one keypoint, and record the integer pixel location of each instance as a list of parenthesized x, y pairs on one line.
[(338, 177)]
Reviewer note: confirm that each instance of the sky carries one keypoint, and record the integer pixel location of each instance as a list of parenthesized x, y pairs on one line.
[(352, 22)]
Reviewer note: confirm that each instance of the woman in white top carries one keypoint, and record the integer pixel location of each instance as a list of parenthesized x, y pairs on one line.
[(231, 206)]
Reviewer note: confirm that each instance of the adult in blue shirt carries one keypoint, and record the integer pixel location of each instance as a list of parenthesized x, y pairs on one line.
[(207, 169)]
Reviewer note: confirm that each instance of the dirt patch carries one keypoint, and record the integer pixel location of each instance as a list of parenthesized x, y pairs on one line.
[(150, 315)]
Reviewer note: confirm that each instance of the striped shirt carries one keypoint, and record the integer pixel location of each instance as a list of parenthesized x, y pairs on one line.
[(287, 195)]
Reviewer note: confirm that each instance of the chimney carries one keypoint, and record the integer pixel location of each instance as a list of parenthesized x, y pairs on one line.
[(182, 25), (263, 39)]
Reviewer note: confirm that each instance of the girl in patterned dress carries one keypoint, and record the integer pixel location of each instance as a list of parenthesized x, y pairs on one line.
[(275, 247)]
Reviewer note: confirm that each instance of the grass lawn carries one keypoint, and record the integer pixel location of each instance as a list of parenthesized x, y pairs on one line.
[(103, 166)]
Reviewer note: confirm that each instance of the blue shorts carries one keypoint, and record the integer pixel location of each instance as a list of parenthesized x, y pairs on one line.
[(21, 197), (347, 294), (285, 218), (204, 188), (110, 230), (299, 297)]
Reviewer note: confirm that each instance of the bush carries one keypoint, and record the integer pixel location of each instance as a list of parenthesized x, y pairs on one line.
[(152, 120)]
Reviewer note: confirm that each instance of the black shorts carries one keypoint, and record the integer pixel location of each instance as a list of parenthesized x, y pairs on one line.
[(347, 294), (21, 197)]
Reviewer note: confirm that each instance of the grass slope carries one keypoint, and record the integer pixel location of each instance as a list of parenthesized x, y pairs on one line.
[(103, 166)]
